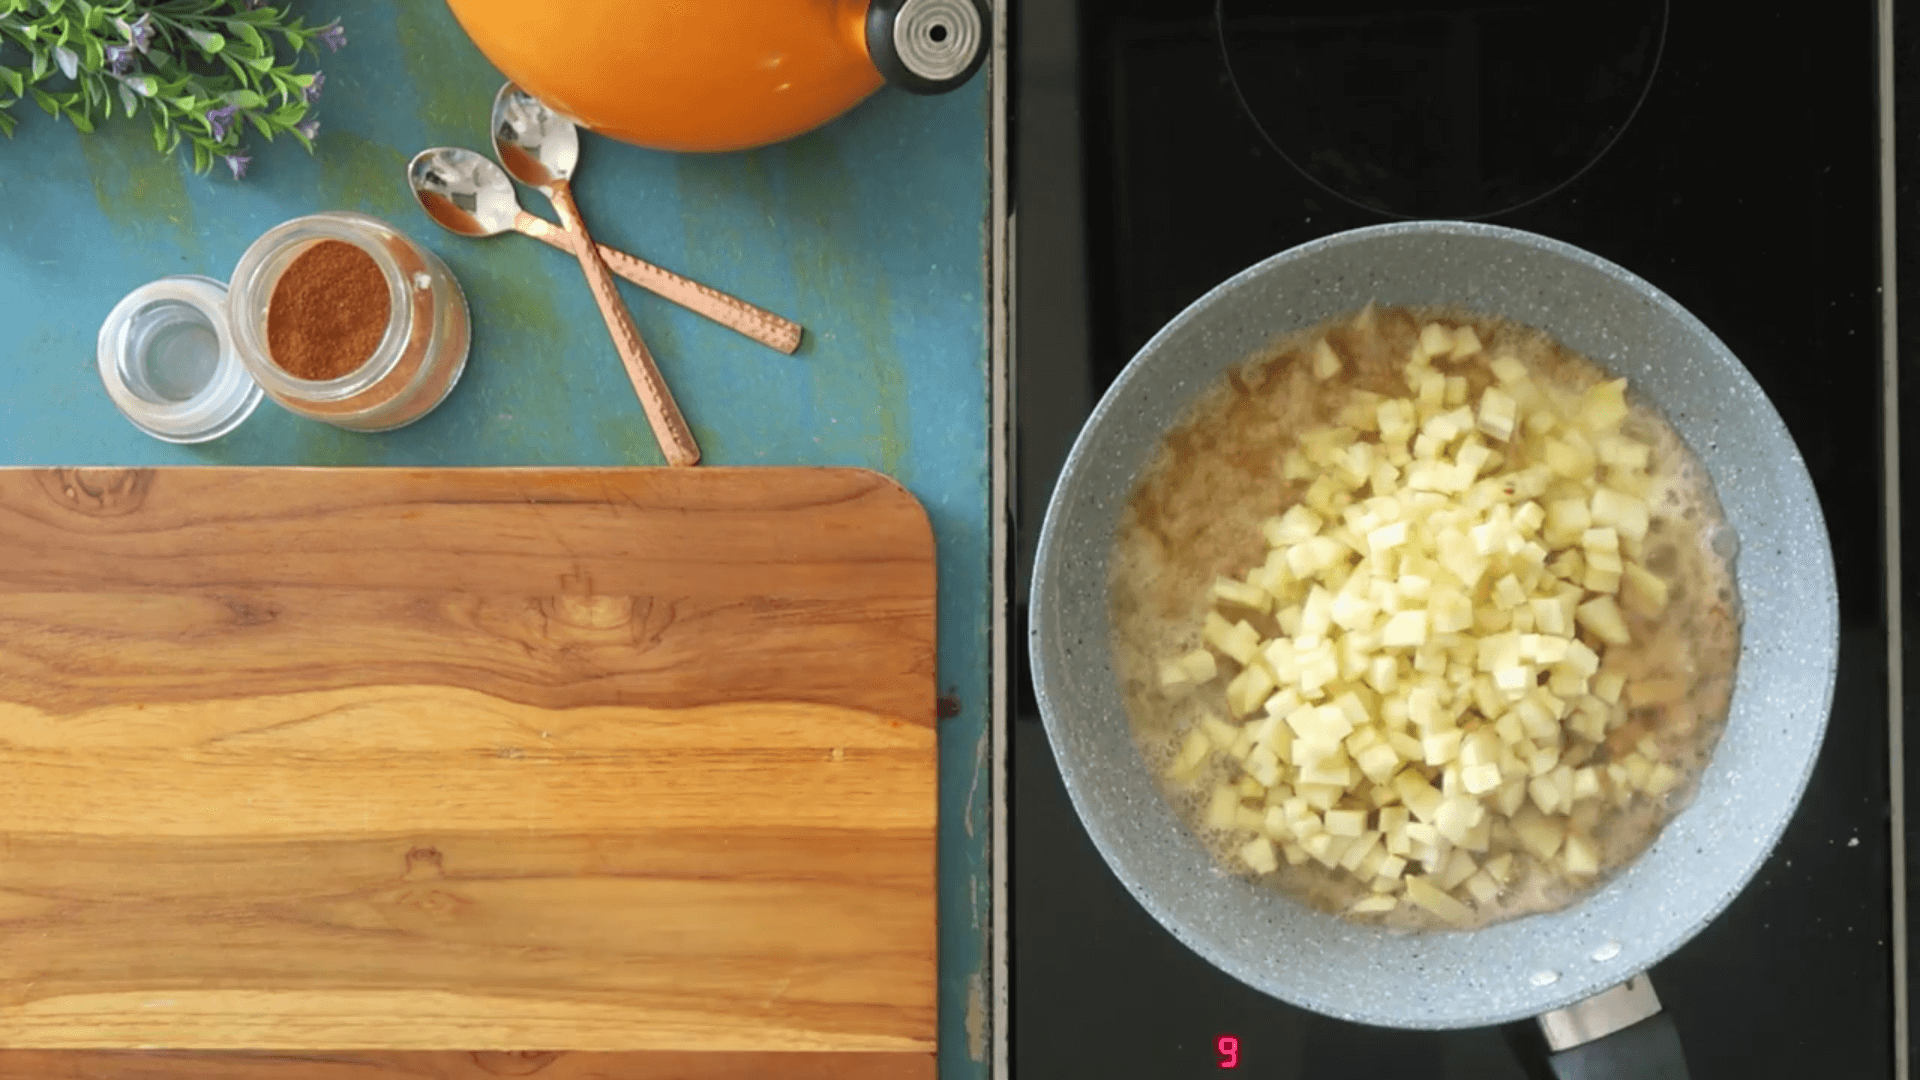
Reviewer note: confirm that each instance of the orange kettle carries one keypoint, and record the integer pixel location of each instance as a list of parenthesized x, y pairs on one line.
[(723, 74)]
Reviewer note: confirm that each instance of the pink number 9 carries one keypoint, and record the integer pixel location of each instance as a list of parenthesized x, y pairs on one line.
[(1229, 1048)]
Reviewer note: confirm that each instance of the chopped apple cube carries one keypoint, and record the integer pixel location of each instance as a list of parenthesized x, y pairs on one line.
[(1540, 835), (1223, 809), (1441, 747), (1258, 855), (1508, 369), (1645, 594), (1346, 822), (1234, 591), (1480, 779), (1661, 779), (1601, 617), (1405, 629), (1626, 513), (1247, 691), (1378, 763), (1580, 858), (1607, 686), (1374, 904), (1498, 413), (1326, 362), (1297, 525), (1604, 405), (1241, 641), (1200, 665), (1422, 892)]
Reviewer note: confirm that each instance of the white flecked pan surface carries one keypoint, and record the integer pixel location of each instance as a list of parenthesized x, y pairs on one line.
[(1783, 691)]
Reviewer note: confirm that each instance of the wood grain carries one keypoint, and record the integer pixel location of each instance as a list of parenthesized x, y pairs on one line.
[(363, 760), (404, 1065)]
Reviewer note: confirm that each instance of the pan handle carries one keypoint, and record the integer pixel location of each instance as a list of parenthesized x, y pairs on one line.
[(1619, 1034)]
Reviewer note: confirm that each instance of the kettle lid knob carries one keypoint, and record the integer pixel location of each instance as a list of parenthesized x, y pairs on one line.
[(927, 46)]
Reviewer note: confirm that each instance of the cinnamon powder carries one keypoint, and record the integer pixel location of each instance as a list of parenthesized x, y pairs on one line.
[(328, 312)]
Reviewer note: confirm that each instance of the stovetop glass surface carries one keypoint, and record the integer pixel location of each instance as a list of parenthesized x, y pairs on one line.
[(1733, 163)]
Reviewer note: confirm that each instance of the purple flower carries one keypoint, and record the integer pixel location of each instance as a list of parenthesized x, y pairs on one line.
[(139, 32), (333, 35), (120, 59), (238, 163), (220, 121), (312, 92), (309, 128)]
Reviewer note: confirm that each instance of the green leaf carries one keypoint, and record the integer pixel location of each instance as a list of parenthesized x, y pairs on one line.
[(40, 59), (129, 100), (295, 132), (202, 157), (6, 125), (94, 54), (159, 137), (261, 125), (246, 99), (144, 85), (53, 6), (210, 41), (13, 80), (246, 32), (80, 121), (46, 102), (261, 63)]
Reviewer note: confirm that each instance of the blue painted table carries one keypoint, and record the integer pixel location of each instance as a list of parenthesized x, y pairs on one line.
[(870, 232)]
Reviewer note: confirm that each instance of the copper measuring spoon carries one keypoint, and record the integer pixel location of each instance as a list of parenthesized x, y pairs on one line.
[(468, 194), (540, 150)]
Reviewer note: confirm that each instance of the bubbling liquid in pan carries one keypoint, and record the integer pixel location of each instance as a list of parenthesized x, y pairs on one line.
[(1196, 516)]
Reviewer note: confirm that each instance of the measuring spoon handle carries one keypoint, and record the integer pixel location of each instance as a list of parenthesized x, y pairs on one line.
[(731, 312), (669, 427)]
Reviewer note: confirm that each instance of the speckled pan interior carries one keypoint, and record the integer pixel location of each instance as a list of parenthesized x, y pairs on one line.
[(1783, 690)]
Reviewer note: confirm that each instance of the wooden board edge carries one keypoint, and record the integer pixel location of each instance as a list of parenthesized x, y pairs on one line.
[(458, 1065)]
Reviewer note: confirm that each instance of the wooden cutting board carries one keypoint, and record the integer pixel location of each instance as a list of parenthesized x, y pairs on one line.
[(478, 760)]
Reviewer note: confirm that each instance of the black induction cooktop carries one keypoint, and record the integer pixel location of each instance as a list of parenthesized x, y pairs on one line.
[(1164, 145)]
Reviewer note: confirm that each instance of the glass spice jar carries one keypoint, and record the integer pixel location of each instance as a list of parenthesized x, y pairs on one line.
[(419, 357)]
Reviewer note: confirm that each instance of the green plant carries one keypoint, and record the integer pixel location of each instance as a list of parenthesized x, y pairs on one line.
[(202, 70)]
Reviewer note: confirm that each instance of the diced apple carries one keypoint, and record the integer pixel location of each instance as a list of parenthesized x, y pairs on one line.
[(1441, 747), (1234, 591), (1247, 691), (1601, 617), (1644, 592), (1346, 822), (1604, 405), (1297, 525), (1661, 779), (1498, 413), (1374, 904), (1378, 763), (1579, 857), (1424, 893), (1223, 809), (1406, 629), (1258, 855), (1628, 514), (1507, 368), (1200, 665), (1540, 835), (1326, 362)]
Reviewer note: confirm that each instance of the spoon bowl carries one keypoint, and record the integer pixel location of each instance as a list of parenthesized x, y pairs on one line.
[(463, 191), (537, 145)]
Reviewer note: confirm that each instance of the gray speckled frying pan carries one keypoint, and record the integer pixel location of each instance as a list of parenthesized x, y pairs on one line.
[(1563, 963)]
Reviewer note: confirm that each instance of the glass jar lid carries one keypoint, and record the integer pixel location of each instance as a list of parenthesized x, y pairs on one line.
[(167, 358)]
